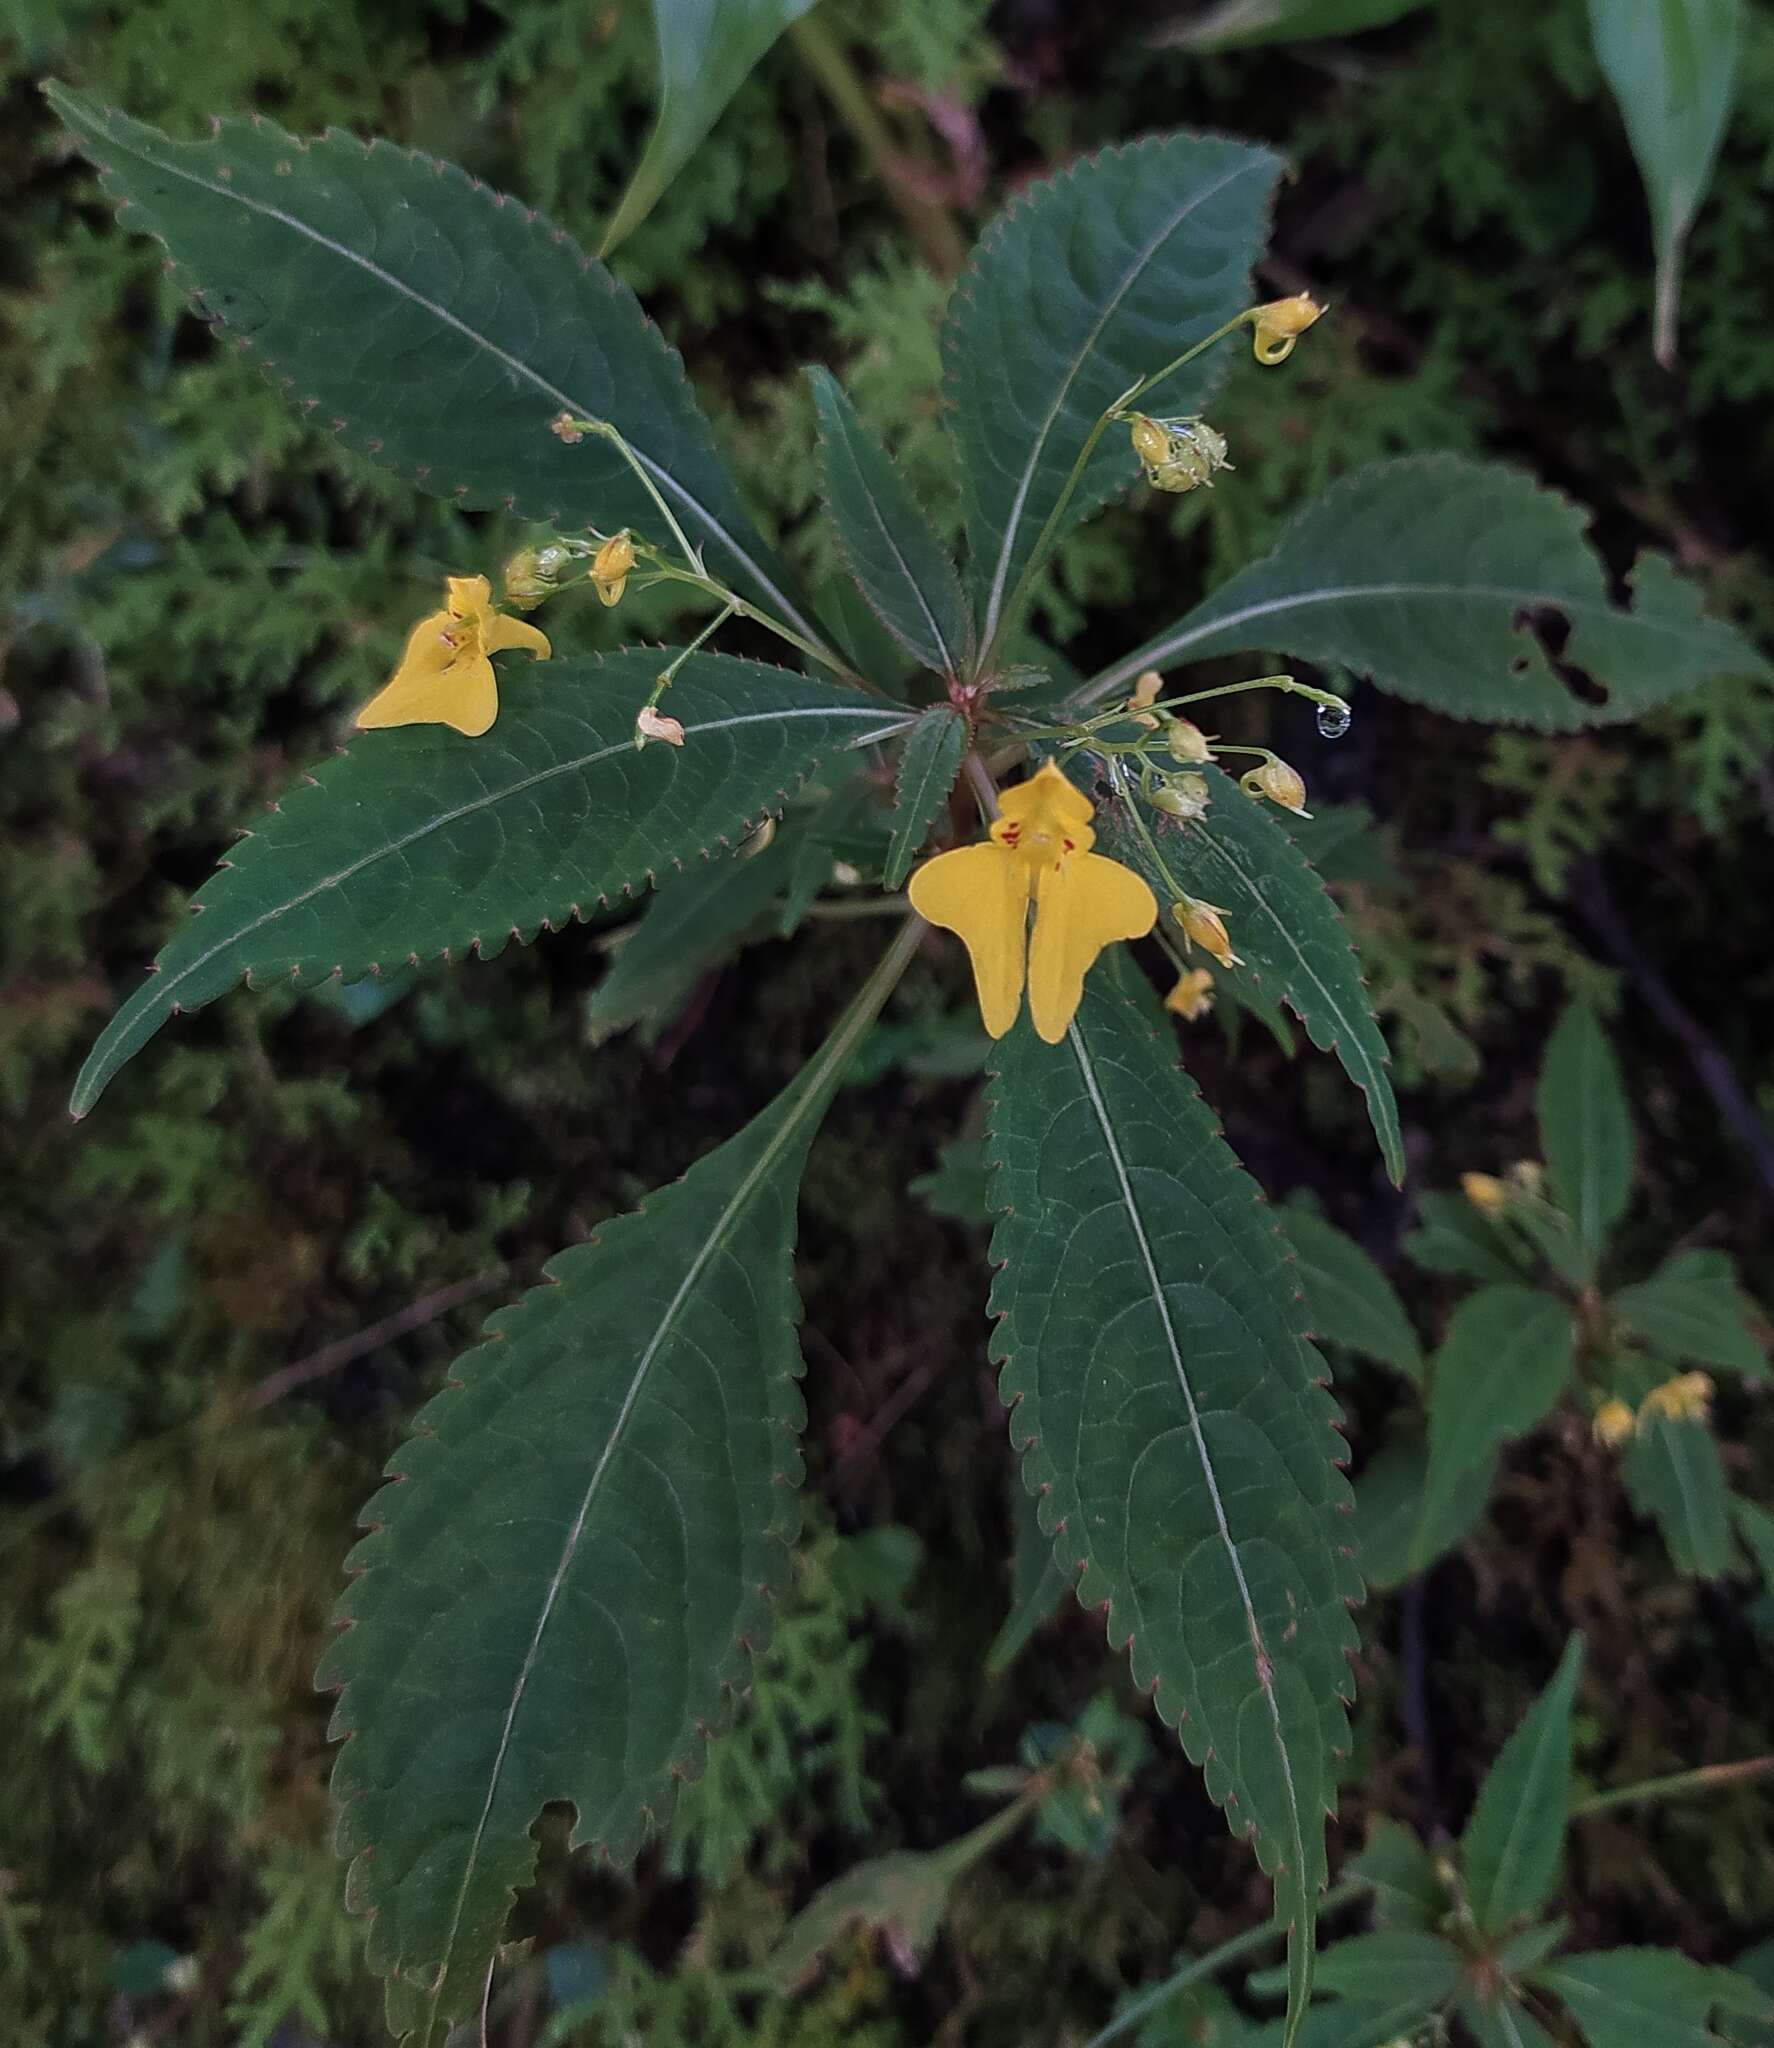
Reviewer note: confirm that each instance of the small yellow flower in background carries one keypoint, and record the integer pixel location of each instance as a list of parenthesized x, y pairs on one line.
[(1686, 1398), (1279, 783), (1613, 1423), (1275, 328), (1528, 1175), (1204, 925), (445, 676), (1145, 692), (1193, 995), (1038, 853), (1484, 1191), (654, 725), (1187, 742), (610, 567)]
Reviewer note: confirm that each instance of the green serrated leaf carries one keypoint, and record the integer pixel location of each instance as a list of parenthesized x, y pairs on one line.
[(1407, 1892), (1391, 1967), (1349, 1300), (1244, 24), (707, 49), (1284, 925), (1675, 1477), (927, 771), (1174, 1419), (1505, 1361), (419, 843), (1586, 1127), (1514, 1842), (438, 326), (1036, 1584), (1693, 1312), (1672, 68), (1630, 1997), (577, 1546), (1397, 1534), (1437, 576), (895, 559), (1089, 281)]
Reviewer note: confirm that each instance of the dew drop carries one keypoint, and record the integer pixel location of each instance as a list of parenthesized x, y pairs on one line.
[(1333, 720)]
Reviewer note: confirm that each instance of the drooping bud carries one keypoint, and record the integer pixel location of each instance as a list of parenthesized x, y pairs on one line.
[(532, 573), (610, 567), (1186, 797), (1146, 691), (1193, 995), (1484, 1191), (1187, 742), (1179, 455), (1613, 1423), (1204, 926), (1279, 783), (654, 725), (1278, 325)]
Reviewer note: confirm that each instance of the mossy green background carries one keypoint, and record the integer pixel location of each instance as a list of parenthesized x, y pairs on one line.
[(197, 587)]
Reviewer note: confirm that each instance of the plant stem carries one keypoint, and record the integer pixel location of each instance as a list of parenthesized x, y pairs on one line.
[(932, 226), (1233, 1951), (999, 628), (1708, 1778)]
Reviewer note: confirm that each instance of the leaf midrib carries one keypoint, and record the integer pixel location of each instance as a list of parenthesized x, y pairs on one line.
[(1136, 1223), (1037, 447), (660, 476)]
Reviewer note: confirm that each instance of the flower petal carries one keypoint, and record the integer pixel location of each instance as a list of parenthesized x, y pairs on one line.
[(1081, 906), (464, 695), (469, 596), (504, 632), (1047, 799), (981, 893)]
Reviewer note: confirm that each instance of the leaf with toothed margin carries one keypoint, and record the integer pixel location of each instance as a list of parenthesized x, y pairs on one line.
[(1465, 586), (574, 1554), (1174, 1419), (439, 326), (1089, 281), (1287, 931), (419, 842), (928, 767)]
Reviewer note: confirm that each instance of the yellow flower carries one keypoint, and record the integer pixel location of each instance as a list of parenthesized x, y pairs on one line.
[(1279, 783), (1484, 1191), (1278, 325), (1193, 995), (610, 567), (445, 677), (1614, 1422), (1204, 925), (1039, 853), (1686, 1398)]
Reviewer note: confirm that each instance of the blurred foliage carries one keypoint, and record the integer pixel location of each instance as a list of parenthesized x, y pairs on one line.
[(196, 585)]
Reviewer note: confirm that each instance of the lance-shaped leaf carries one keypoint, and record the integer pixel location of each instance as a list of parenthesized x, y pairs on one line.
[(1692, 1310), (1243, 24), (1088, 282), (1633, 1997), (1515, 1840), (927, 771), (898, 564), (1349, 1300), (707, 49), (1465, 586), (438, 326), (1674, 1474), (1284, 926), (419, 842), (1672, 67), (1174, 1419), (1586, 1128), (576, 1548)]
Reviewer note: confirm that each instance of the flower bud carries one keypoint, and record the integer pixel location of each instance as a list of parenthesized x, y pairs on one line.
[(1204, 926), (1193, 998), (1278, 325), (1183, 796), (1187, 742), (654, 725), (1613, 1423), (1145, 693), (1484, 1191), (1179, 455), (564, 427), (610, 567), (1279, 783), (532, 573), (1150, 442)]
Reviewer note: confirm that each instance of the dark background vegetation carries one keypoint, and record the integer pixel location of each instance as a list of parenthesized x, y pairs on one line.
[(196, 589)]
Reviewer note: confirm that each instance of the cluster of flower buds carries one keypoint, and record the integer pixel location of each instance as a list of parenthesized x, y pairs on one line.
[(535, 573), (1183, 797), (1686, 1398), (1179, 455), (1491, 1196)]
